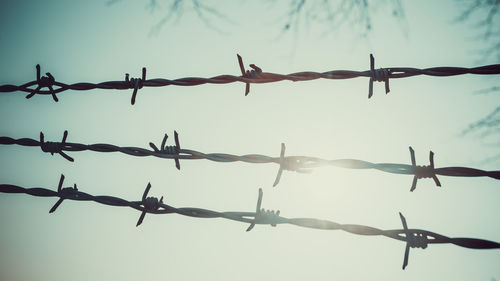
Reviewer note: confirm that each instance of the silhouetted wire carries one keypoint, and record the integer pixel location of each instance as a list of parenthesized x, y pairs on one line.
[(414, 238), (301, 164), (254, 76)]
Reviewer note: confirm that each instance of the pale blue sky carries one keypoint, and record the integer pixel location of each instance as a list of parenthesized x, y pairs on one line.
[(90, 41)]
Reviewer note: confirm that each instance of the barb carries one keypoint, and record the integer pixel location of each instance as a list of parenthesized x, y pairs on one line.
[(255, 76), (413, 237), (379, 75), (43, 82), (290, 164), (150, 204), (423, 171), (301, 164), (248, 74), (66, 192), (135, 83), (173, 150), (55, 147), (262, 216), (413, 240)]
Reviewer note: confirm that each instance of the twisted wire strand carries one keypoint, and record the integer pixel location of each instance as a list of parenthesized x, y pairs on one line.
[(254, 76), (301, 164), (414, 238)]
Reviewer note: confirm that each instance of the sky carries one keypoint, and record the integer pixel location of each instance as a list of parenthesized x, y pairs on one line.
[(92, 41)]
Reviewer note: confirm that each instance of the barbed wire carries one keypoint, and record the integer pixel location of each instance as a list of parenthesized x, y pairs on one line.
[(301, 164), (414, 238), (253, 76)]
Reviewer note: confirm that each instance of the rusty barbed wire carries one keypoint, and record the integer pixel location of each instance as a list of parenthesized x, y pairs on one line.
[(414, 238), (300, 164), (254, 76)]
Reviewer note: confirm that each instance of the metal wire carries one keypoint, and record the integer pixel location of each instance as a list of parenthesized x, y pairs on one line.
[(414, 238), (301, 164), (256, 75)]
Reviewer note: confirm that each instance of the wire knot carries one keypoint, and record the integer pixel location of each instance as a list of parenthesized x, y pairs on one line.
[(421, 172), (71, 190), (55, 147), (170, 150), (52, 147), (263, 216), (379, 75), (249, 74), (413, 240), (151, 204), (418, 240), (44, 82), (290, 164), (254, 73), (267, 217), (135, 83)]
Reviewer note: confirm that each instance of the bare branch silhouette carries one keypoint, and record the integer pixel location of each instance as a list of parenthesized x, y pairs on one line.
[(488, 13), (488, 90), (207, 14), (175, 9), (487, 127), (153, 5), (111, 2), (331, 15), (357, 14), (491, 123)]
